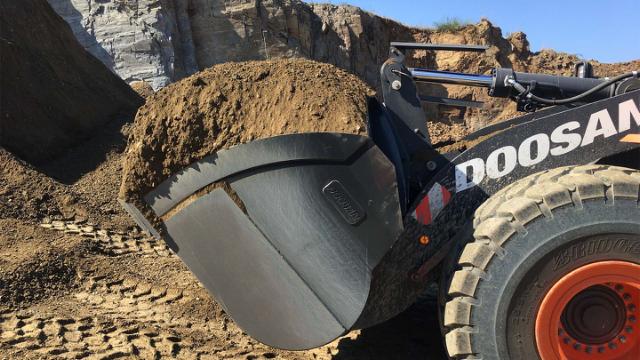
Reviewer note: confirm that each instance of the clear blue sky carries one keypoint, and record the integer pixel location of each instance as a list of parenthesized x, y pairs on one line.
[(604, 30)]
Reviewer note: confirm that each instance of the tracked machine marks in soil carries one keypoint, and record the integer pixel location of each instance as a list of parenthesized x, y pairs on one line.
[(533, 232)]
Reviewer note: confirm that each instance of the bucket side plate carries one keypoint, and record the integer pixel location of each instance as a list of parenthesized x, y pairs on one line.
[(249, 277)]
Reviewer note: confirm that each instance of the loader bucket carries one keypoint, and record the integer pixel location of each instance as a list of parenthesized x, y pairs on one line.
[(287, 237)]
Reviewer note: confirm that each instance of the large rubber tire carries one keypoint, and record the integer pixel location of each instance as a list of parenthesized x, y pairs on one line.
[(526, 237)]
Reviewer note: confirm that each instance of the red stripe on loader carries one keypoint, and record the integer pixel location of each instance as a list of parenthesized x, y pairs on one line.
[(423, 211)]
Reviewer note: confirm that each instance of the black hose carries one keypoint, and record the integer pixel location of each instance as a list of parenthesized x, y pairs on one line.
[(580, 96)]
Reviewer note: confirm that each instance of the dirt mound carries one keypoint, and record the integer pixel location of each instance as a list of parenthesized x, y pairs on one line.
[(235, 103), (27, 194), (54, 93), (80, 186), (35, 265)]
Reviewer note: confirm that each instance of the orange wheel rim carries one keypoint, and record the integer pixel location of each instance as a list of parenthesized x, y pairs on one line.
[(592, 313)]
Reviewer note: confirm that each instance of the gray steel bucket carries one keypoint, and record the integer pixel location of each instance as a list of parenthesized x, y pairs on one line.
[(288, 245)]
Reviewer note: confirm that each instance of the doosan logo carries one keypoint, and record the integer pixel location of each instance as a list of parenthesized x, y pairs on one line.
[(563, 139)]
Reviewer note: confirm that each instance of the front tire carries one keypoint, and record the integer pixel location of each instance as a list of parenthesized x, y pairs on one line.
[(570, 231)]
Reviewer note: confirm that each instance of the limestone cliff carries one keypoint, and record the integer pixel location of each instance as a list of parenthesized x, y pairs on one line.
[(161, 41), (132, 38)]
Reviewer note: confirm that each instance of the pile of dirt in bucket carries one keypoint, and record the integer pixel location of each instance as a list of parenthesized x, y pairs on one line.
[(235, 103)]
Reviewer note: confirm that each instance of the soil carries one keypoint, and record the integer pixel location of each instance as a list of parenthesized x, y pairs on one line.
[(143, 88), (235, 103), (54, 93)]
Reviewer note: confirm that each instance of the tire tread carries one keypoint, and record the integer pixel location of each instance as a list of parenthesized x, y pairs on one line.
[(508, 212)]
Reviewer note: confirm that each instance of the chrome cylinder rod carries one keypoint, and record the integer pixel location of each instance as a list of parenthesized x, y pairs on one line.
[(445, 77)]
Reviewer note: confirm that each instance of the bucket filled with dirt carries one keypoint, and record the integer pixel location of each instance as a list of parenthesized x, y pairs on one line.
[(260, 176), (235, 103)]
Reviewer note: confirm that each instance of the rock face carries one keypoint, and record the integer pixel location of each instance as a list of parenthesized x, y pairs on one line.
[(161, 41), (132, 38), (52, 92), (164, 41)]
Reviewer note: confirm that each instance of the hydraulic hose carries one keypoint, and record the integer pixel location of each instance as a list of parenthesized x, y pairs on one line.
[(572, 99)]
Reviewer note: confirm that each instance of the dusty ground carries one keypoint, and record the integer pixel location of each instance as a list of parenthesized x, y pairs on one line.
[(77, 280)]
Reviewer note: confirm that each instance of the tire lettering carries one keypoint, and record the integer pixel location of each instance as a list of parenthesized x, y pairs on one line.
[(594, 247)]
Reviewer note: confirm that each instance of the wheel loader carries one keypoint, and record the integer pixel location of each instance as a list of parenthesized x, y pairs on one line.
[(531, 231)]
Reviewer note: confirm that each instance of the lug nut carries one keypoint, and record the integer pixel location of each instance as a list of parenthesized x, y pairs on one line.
[(623, 339)]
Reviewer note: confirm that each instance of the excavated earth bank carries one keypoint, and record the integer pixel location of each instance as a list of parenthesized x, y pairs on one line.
[(53, 92)]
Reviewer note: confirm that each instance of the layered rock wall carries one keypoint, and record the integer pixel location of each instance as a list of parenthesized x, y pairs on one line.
[(132, 38), (161, 41)]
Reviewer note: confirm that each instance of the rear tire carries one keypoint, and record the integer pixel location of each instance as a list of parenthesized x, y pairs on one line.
[(532, 237)]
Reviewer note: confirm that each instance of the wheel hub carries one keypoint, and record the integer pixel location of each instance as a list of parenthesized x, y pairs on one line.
[(592, 313), (594, 316)]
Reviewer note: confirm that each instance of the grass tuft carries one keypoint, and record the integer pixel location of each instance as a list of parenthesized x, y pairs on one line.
[(450, 24)]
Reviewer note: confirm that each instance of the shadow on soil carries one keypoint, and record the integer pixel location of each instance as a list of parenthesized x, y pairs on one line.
[(414, 334), (88, 154)]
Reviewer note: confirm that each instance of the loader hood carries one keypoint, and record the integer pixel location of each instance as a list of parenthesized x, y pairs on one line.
[(284, 232)]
